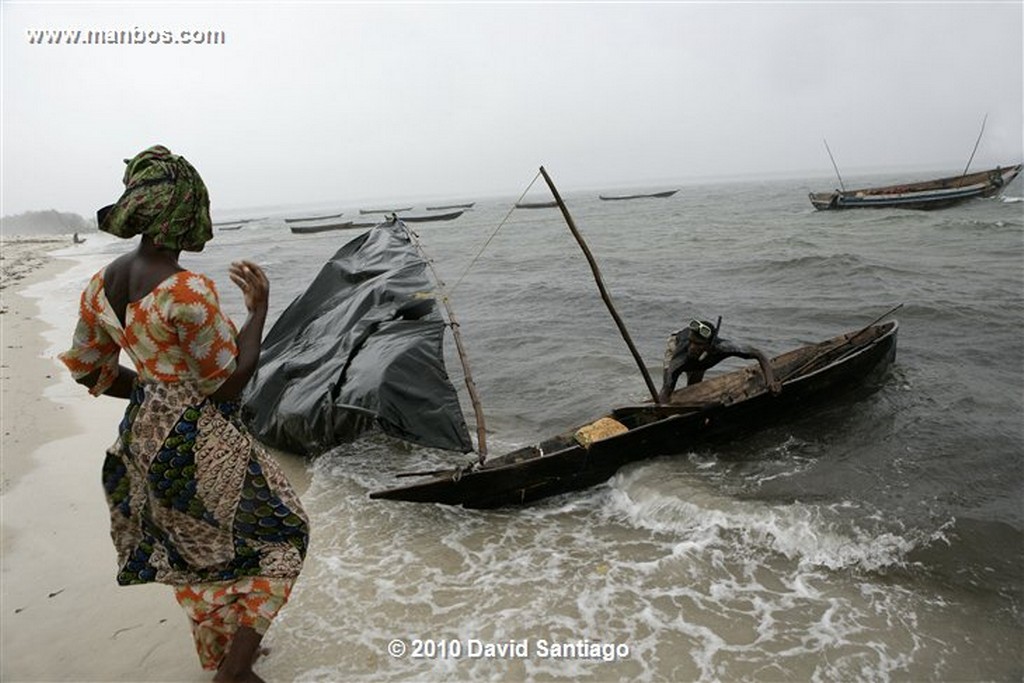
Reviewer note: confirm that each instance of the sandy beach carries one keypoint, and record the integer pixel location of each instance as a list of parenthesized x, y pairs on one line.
[(64, 618)]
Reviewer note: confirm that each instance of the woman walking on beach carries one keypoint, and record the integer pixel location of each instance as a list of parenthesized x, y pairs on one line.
[(195, 501)]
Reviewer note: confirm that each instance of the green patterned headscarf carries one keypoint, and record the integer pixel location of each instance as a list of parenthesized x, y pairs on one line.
[(164, 198)]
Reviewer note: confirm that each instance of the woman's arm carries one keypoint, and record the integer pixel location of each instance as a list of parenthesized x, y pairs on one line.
[(255, 287), (120, 388)]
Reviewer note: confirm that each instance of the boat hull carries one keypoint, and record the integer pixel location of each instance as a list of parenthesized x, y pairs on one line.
[(652, 195), (926, 195), (719, 408), (311, 229), (468, 205), (306, 219), (431, 217), (365, 212)]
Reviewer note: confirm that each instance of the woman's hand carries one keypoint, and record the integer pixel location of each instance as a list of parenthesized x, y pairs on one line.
[(254, 284), (255, 287)]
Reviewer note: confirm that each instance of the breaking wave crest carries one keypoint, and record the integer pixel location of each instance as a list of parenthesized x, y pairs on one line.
[(813, 536)]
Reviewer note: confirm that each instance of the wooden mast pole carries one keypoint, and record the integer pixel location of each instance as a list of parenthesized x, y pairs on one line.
[(976, 143), (474, 397), (836, 167), (600, 285)]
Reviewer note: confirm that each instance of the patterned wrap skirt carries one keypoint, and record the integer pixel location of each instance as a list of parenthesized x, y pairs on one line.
[(197, 503)]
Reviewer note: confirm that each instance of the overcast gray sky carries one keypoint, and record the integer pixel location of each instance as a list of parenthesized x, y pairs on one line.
[(339, 102)]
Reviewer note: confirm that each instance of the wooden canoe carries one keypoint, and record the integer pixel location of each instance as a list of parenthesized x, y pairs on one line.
[(305, 219), (618, 197), (366, 211), (720, 407), (451, 206), (327, 227), (924, 195), (427, 218)]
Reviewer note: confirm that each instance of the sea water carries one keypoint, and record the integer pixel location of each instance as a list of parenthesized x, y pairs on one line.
[(874, 537)]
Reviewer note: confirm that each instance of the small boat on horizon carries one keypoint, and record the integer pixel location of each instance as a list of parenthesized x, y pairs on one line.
[(303, 219), (239, 222), (468, 205), (923, 195), (427, 218), (326, 227), (366, 211), (614, 197), (536, 205)]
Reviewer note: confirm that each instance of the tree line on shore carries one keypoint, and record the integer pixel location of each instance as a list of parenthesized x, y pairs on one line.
[(49, 222)]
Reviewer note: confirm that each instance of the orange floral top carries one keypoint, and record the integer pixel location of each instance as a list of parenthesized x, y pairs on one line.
[(175, 333)]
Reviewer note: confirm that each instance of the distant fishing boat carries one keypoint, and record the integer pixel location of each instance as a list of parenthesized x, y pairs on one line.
[(451, 206), (536, 205), (927, 194), (366, 211), (617, 197), (310, 229), (238, 222), (312, 218), (426, 218), (233, 226)]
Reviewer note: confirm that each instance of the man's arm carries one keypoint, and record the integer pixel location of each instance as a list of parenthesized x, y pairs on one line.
[(675, 358), (727, 348), (774, 385), (668, 381)]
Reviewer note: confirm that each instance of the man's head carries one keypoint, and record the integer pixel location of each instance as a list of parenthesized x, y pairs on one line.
[(701, 331)]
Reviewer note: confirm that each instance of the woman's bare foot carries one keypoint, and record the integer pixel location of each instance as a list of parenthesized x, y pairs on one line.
[(242, 653), (249, 677)]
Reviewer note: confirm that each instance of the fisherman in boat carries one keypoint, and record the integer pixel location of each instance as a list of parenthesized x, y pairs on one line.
[(995, 177), (697, 348)]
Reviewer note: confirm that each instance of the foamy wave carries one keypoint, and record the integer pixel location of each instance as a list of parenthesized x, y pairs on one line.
[(814, 536)]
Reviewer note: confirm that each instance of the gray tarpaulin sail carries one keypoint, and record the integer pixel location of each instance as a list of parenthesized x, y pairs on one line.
[(363, 345)]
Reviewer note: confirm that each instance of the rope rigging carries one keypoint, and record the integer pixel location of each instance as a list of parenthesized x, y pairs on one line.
[(495, 232)]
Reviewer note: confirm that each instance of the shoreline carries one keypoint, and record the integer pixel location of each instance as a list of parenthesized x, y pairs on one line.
[(64, 617), (22, 404)]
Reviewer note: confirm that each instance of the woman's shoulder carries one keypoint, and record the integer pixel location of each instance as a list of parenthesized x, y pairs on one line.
[(97, 277), (192, 285), (184, 297), (95, 283)]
